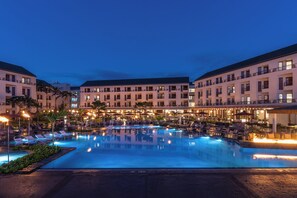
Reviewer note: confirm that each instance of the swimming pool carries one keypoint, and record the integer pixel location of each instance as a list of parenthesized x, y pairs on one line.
[(157, 147), (12, 156)]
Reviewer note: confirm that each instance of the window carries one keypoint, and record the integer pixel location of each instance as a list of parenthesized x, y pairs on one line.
[(280, 83), (289, 97), (161, 88), (288, 81), (7, 77), (280, 66), (106, 89), (96, 97), (280, 98), (87, 97), (266, 84), (26, 80), (172, 88), (160, 96), (289, 64)]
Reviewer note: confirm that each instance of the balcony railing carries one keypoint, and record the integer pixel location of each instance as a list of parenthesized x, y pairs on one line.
[(257, 102)]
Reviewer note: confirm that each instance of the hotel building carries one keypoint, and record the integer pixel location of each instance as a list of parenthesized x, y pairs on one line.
[(254, 85), (75, 98), (45, 97), (15, 81), (162, 93)]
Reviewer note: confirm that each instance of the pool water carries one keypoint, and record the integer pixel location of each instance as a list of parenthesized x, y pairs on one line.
[(12, 156), (157, 147)]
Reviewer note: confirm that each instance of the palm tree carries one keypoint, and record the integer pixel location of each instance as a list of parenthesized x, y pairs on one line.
[(57, 93), (65, 95), (52, 117), (99, 106), (143, 105), (24, 102)]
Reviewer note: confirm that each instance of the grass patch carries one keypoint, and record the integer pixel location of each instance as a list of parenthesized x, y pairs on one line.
[(39, 152)]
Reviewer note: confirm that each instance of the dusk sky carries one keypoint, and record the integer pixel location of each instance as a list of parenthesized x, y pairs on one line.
[(77, 40)]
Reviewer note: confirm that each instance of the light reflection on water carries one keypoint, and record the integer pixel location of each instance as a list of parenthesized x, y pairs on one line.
[(156, 147)]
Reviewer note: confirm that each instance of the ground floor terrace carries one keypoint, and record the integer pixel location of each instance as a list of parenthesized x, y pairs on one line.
[(152, 183)]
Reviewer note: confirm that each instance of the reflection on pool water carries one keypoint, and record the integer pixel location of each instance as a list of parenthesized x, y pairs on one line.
[(12, 156), (157, 147)]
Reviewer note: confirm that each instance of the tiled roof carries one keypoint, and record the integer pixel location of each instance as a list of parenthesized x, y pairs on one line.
[(43, 82), (15, 68), (143, 81), (292, 49)]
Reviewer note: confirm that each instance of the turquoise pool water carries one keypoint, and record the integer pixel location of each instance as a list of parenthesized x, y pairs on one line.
[(157, 147), (12, 156)]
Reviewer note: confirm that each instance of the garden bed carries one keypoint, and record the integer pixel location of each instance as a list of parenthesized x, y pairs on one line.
[(37, 154)]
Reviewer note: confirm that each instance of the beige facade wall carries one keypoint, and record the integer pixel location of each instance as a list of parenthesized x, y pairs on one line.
[(270, 94), (15, 84), (161, 96), (262, 86)]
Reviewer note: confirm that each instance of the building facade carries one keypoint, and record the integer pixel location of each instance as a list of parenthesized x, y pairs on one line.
[(75, 98), (161, 93), (255, 85), (15, 81), (45, 97)]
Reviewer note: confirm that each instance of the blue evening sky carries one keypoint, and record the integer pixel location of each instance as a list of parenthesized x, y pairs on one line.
[(77, 40)]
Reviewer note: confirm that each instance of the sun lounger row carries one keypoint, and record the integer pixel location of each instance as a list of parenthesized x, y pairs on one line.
[(45, 138)]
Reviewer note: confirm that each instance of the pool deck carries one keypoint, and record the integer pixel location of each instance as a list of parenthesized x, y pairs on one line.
[(152, 183)]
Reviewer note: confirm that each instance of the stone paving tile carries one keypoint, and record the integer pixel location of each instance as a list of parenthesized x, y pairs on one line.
[(94, 185), (238, 184), (269, 186), (194, 186), (27, 185)]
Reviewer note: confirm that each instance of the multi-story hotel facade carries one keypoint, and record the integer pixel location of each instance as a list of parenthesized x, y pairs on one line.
[(161, 93), (15, 81), (254, 85)]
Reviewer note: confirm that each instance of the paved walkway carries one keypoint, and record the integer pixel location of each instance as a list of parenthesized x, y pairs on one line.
[(152, 183)]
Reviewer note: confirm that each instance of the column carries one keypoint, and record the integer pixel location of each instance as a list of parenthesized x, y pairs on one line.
[(274, 123)]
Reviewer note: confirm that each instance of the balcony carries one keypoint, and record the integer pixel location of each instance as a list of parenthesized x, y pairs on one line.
[(255, 103)]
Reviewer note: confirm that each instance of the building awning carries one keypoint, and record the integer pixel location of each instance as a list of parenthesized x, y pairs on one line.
[(284, 110)]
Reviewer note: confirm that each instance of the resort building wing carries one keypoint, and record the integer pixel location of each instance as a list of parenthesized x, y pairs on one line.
[(255, 85), (160, 93), (15, 81)]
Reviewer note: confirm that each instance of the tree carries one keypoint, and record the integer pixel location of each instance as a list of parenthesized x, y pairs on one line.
[(143, 105), (24, 102), (57, 93), (65, 95), (52, 117), (98, 106)]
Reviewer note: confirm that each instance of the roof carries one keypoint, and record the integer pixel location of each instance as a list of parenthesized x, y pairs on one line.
[(143, 81), (292, 49), (284, 110), (43, 82), (15, 68)]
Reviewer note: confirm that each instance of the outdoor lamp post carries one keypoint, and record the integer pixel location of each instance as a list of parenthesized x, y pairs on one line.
[(4, 119), (26, 115)]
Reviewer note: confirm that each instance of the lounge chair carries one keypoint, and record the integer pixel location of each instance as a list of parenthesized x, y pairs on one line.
[(66, 134), (29, 140), (18, 141), (58, 135), (41, 138)]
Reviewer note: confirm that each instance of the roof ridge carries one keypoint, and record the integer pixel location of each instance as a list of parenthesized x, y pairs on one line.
[(281, 52)]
